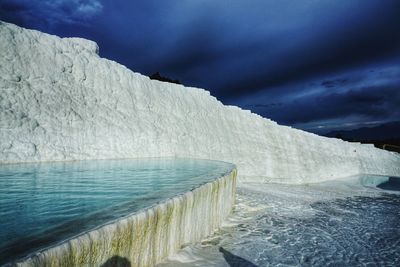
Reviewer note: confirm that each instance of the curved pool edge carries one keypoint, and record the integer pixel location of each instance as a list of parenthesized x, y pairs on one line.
[(149, 236)]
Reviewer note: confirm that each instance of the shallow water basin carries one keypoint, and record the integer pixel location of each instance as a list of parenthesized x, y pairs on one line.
[(44, 204)]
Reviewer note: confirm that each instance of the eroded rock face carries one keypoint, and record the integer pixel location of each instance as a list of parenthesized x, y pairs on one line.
[(60, 101)]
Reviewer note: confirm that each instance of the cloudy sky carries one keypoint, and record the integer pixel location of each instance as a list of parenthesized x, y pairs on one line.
[(318, 65)]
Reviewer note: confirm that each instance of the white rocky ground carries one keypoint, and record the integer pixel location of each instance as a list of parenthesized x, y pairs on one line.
[(60, 101)]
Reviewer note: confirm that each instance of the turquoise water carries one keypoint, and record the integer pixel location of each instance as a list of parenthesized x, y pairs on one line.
[(42, 204)]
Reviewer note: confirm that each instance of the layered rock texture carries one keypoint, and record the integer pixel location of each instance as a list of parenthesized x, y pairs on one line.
[(60, 101)]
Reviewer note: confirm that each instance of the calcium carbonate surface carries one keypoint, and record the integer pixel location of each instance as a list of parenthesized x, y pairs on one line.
[(60, 101)]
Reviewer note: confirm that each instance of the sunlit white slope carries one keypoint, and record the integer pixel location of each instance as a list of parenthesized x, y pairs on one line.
[(60, 101)]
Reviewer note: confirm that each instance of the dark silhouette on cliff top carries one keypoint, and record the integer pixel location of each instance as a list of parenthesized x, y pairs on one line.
[(157, 76)]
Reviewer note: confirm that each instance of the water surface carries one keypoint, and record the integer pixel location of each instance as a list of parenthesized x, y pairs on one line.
[(42, 204)]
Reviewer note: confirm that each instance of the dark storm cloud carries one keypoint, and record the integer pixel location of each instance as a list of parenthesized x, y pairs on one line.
[(8, 6), (45, 14), (372, 102), (317, 58), (333, 83), (274, 58), (364, 97), (286, 53)]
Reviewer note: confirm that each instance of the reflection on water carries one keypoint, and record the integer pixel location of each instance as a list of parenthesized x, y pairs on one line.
[(339, 223), (41, 204)]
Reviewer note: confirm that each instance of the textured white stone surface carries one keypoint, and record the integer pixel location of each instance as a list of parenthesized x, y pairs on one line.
[(60, 101)]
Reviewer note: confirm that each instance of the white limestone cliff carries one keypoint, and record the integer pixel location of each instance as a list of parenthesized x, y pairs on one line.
[(60, 101)]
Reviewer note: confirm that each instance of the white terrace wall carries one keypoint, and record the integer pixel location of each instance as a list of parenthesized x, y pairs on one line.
[(60, 101)]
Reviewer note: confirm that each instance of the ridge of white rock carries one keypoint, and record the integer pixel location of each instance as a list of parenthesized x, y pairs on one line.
[(60, 101)]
